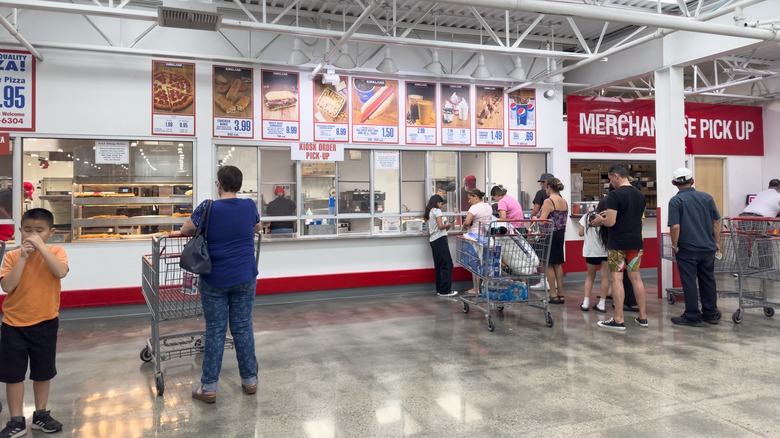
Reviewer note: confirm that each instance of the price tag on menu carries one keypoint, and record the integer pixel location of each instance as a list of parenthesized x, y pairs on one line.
[(490, 137), (522, 138), (375, 134), (173, 125), (280, 129), (17, 101), (331, 132), (418, 135), (456, 136), (229, 127)]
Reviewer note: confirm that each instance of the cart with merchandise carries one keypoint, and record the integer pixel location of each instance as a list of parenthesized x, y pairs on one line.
[(757, 244), (725, 267), (171, 293), (506, 256)]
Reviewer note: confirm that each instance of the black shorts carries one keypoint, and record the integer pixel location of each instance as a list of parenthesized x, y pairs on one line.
[(595, 260), (38, 343)]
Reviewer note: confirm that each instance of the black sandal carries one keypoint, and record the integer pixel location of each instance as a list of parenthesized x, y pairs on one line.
[(555, 300)]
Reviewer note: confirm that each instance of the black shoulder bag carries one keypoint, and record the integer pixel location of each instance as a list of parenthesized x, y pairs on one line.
[(195, 254)]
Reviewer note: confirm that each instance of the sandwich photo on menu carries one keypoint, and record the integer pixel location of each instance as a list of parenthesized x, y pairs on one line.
[(275, 100)]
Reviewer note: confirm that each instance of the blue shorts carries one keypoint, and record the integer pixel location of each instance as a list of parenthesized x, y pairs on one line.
[(36, 343)]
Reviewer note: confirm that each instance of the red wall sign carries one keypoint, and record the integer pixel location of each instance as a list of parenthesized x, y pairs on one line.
[(5, 143), (601, 124)]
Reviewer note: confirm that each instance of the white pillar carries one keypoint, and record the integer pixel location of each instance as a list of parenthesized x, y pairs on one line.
[(670, 133)]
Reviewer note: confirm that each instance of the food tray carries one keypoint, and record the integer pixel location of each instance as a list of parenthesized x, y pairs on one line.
[(331, 103)]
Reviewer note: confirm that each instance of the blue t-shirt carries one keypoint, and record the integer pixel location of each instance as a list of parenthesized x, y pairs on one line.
[(231, 240), (695, 212)]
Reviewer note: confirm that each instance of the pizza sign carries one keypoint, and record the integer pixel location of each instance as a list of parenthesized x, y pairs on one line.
[(173, 98), (17, 101)]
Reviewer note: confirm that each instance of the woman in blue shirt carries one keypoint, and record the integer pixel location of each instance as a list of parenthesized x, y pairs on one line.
[(228, 292)]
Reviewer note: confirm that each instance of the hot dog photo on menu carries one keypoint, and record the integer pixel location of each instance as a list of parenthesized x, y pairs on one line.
[(280, 95), (374, 102)]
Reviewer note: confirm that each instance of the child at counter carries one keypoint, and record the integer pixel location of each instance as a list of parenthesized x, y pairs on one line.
[(437, 236), (31, 276), (594, 250)]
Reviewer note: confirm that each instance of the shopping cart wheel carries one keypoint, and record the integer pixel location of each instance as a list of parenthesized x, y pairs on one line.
[(549, 320), (737, 316), (146, 355), (199, 344), (500, 308), (769, 312), (670, 298), (491, 326), (159, 383), (465, 308)]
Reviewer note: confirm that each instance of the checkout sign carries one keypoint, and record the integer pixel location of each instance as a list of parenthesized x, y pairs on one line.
[(308, 151)]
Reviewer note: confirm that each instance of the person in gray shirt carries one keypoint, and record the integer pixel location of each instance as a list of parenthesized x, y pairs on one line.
[(766, 203)]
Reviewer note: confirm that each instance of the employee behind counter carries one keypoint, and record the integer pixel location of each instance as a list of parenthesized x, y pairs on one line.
[(281, 206)]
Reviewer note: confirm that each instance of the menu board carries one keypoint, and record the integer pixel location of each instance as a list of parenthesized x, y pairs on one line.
[(18, 98), (455, 114), (489, 110), (421, 113), (522, 117), (374, 110), (233, 101), (173, 98), (281, 115), (331, 112)]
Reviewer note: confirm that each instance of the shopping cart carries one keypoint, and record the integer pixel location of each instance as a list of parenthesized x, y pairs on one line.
[(725, 267), (757, 244), (172, 293), (506, 256)]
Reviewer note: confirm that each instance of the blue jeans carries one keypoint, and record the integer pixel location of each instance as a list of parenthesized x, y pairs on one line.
[(223, 305)]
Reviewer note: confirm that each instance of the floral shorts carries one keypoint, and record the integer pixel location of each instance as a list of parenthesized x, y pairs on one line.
[(628, 260)]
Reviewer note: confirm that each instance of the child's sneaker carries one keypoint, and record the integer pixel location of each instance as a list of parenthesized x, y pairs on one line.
[(14, 429), (43, 421)]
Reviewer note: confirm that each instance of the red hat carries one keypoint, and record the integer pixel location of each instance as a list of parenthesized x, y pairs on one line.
[(279, 191), (470, 181)]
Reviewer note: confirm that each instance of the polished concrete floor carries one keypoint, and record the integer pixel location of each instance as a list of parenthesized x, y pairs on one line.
[(399, 361)]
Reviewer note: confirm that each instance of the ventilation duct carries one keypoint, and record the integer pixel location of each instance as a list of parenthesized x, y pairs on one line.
[(194, 14)]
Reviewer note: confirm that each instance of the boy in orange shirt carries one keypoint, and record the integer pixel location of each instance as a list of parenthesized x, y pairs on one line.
[(31, 276)]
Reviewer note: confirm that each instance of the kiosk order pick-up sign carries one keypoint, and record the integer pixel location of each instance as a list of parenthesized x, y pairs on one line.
[(310, 151)]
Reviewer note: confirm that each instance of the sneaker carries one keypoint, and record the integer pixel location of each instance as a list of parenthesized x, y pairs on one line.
[(596, 308), (611, 324), (14, 429), (451, 294), (681, 320), (542, 285), (641, 322), (43, 421)]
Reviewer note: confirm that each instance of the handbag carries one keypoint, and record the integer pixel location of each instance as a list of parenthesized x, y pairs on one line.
[(195, 254)]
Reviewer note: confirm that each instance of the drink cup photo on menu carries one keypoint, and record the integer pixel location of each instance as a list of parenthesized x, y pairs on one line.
[(420, 104), (522, 109), (455, 106)]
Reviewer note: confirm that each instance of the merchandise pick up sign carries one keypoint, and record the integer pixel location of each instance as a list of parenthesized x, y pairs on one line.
[(317, 152), (628, 126)]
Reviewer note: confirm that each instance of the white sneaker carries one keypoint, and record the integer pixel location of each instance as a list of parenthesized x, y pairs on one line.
[(542, 285), (451, 294)]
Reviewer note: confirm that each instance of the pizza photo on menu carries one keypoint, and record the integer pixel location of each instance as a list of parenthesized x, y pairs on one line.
[(172, 88)]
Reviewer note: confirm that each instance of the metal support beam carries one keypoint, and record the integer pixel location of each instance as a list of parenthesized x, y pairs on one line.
[(22, 40), (284, 11), (527, 31), (374, 19), (486, 26), (352, 29), (577, 32), (246, 11)]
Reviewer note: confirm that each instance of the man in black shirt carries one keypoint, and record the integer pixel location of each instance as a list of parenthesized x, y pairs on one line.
[(694, 226), (281, 206), (625, 208)]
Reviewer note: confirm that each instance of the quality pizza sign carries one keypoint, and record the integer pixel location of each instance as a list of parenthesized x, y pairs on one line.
[(173, 98), (17, 101)]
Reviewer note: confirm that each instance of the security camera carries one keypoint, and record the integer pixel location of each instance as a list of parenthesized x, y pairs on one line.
[(331, 78), (549, 94)]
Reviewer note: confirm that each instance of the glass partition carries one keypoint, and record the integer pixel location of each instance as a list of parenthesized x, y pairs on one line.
[(278, 194)]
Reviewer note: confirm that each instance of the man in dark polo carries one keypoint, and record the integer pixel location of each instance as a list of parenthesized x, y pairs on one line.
[(694, 226)]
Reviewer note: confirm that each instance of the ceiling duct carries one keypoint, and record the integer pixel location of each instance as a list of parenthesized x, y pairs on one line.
[(193, 14)]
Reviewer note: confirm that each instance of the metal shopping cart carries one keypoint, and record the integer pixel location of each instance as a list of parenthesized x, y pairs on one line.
[(757, 244), (506, 256), (172, 293), (725, 267)]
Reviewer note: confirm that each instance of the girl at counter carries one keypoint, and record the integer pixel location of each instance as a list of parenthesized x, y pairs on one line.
[(437, 236), (479, 211), (594, 249), (556, 209), (508, 207)]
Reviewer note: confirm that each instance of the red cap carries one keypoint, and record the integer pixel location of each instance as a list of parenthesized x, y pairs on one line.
[(470, 181), (279, 191)]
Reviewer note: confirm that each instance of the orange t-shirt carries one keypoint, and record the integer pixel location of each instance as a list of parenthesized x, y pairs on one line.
[(37, 296)]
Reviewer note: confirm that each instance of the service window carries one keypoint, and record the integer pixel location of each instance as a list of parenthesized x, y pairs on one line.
[(443, 168), (318, 194), (278, 194), (355, 202), (532, 166), (472, 172), (245, 159), (413, 196), (7, 205), (387, 191), (504, 172)]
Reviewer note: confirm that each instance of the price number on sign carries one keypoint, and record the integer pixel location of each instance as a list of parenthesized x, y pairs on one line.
[(341, 131), (169, 123), (183, 124), (421, 130), (388, 132), (496, 135), (529, 136), (291, 129), (13, 96), (242, 125)]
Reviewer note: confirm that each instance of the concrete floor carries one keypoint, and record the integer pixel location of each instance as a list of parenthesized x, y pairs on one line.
[(402, 362)]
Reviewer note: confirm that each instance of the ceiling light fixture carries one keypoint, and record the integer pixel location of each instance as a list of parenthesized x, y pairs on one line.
[(481, 72), (345, 60), (387, 65), (297, 56), (435, 66), (518, 72)]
